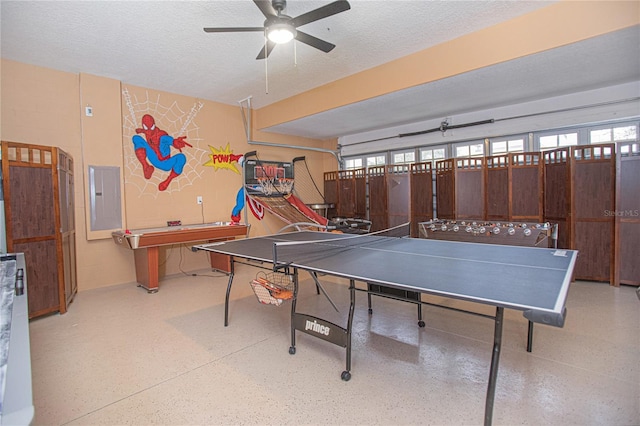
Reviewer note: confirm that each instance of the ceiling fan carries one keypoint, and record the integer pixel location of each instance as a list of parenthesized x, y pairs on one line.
[(280, 28)]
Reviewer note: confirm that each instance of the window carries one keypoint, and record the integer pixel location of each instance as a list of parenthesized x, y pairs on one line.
[(376, 160), (469, 150), (462, 151), (433, 154), (627, 133), (614, 134), (353, 163), (403, 157), (632, 149), (558, 140), (499, 147), (504, 146), (370, 160)]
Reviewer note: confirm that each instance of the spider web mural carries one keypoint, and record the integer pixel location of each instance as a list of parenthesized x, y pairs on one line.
[(176, 122)]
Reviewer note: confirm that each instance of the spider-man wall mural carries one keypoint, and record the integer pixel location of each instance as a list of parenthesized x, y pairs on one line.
[(154, 151)]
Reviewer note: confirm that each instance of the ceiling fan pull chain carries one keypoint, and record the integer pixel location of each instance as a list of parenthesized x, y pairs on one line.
[(266, 68), (266, 77)]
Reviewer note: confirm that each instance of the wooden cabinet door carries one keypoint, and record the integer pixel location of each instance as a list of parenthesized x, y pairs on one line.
[(31, 229), (39, 213), (67, 226)]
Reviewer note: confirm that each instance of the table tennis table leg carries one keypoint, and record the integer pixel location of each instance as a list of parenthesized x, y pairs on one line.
[(530, 337), (292, 348), (421, 322), (226, 299), (493, 372), (346, 374)]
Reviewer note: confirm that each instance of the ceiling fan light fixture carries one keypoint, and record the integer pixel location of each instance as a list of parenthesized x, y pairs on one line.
[(280, 33), (279, 28)]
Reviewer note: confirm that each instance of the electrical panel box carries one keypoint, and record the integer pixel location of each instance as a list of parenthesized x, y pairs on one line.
[(105, 198)]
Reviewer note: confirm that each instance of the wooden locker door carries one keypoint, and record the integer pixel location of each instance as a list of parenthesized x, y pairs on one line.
[(557, 193), (67, 226), (497, 201), (331, 192), (592, 196), (398, 204), (32, 209), (360, 176), (526, 182), (445, 189), (627, 214), (421, 187), (346, 194), (469, 189), (378, 198)]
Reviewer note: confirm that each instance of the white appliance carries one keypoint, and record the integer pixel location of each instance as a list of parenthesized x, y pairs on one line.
[(16, 397)]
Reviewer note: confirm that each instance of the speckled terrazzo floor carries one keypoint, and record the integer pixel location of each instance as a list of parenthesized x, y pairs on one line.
[(122, 356)]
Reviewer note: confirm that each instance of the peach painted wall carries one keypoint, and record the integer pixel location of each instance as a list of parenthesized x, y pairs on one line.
[(101, 133), (44, 106)]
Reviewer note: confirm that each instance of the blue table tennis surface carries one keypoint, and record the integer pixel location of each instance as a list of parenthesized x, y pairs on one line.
[(521, 278)]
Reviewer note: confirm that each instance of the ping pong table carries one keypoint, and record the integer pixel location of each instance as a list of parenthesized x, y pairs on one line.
[(533, 280)]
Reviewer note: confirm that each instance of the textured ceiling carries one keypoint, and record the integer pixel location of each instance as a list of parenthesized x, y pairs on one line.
[(579, 67), (161, 45)]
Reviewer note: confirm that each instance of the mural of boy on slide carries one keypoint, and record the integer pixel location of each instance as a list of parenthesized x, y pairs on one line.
[(154, 151)]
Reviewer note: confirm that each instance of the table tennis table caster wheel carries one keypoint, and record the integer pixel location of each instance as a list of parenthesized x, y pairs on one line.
[(421, 324), (370, 311), (292, 350), (346, 376)]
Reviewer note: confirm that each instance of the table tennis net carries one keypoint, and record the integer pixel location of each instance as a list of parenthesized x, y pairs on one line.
[(286, 253)]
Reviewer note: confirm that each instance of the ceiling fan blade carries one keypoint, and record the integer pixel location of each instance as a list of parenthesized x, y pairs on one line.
[(233, 29), (269, 47), (321, 13), (314, 42), (266, 8)]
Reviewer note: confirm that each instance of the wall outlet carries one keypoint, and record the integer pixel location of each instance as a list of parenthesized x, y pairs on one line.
[(199, 199)]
